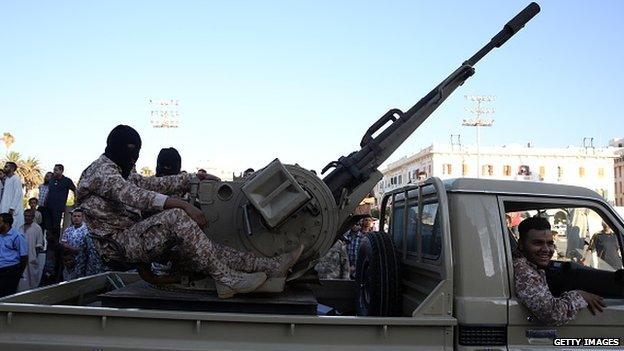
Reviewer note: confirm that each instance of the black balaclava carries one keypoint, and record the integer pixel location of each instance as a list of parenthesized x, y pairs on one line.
[(117, 149), (168, 162)]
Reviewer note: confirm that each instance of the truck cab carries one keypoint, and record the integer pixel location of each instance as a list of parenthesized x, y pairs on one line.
[(454, 246)]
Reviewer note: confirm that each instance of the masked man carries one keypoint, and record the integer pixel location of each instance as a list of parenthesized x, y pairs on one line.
[(112, 196)]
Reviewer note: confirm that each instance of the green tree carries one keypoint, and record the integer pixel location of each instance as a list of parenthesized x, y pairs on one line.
[(8, 139), (29, 170), (146, 172)]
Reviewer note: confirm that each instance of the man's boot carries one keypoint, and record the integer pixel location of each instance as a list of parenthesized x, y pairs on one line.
[(286, 261), (244, 283)]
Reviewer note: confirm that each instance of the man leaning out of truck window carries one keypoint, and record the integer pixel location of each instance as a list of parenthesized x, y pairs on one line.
[(535, 248)]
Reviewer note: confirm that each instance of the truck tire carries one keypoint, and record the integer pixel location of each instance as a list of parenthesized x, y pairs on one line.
[(377, 277)]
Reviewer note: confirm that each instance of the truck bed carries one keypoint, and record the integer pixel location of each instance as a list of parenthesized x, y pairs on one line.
[(70, 316)]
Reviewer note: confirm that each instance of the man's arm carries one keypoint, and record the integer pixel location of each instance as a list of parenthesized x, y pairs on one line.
[(15, 193), (63, 242), (196, 214), (111, 185), (72, 187), (533, 292), (168, 185), (23, 263), (22, 248), (344, 262)]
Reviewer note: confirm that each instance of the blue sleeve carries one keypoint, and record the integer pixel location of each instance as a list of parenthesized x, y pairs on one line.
[(23, 245)]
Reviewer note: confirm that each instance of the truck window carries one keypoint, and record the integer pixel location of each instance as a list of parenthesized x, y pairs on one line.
[(397, 225), (387, 214), (426, 227), (412, 227), (430, 229), (582, 236)]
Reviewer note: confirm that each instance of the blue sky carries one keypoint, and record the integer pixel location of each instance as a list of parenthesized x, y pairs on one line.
[(299, 81)]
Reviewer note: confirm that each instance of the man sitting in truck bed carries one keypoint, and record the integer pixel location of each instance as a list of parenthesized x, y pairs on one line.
[(535, 248), (113, 196)]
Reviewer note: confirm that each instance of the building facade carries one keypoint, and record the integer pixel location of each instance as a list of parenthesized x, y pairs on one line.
[(587, 167), (618, 170)]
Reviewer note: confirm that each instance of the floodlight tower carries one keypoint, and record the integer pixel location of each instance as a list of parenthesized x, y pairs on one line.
[(164, 113), (478, 122)]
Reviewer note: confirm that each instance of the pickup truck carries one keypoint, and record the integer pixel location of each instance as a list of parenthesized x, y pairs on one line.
[(439, 277)]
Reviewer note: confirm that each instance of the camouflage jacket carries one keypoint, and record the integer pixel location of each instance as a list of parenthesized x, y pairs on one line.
[(335, 264), (532, 291), (112, 203)]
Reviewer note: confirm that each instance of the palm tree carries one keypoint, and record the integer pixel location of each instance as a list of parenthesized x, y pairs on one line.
[(29, 170), (146, 172), (8, 140)]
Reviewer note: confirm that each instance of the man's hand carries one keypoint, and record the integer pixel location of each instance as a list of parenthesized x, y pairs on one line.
[(595, 303), (11, 211), (196, 214)]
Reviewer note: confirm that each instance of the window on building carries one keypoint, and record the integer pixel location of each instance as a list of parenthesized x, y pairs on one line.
[(581, 172), (447, 168), (559, 171), (465, 169), (542, 172), (487, 170), (601, 172), (400, 179), (524, 170), (507, 170)]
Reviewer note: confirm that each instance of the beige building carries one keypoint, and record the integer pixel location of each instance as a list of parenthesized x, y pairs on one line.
[(587, 167), (618, 171)]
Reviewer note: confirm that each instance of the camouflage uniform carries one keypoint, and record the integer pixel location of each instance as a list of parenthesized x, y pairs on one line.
[(113, 205), (532, 291), (335, 264)]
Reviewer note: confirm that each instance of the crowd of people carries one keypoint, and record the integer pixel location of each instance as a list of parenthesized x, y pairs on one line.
[(121, 220), (37, 251), (340, 262)]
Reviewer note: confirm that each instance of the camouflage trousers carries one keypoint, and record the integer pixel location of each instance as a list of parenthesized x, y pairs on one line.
[(148, 240)]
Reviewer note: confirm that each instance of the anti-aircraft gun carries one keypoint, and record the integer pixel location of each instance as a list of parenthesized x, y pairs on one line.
[(282, 206)]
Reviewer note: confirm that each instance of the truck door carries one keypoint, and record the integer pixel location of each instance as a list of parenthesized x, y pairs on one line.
[(581, 241), (417, 219)]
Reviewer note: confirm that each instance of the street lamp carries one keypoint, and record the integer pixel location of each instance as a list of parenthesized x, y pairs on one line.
[(164, 113), (477, 122)]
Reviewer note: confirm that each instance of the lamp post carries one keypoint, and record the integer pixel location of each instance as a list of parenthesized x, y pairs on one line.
[(478, 122), (164, 114)]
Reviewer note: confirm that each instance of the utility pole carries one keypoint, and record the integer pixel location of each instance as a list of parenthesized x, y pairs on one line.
[(164, 114), (478, 122)]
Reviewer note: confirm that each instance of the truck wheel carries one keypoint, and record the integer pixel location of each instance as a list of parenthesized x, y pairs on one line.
[(377, 277)]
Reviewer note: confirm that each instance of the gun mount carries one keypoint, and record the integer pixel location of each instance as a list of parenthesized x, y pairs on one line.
[(282, 206)]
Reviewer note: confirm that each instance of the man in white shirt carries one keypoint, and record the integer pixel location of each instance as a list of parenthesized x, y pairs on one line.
[(13, 195), (36, 252)]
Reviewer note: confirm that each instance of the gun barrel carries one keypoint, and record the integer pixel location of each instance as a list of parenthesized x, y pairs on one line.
[(512, 27), (353, 170)]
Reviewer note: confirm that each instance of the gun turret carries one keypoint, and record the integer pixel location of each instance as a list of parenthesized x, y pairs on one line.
[(279, 207), (352, 171)]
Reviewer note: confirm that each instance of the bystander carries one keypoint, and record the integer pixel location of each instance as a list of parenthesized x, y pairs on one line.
[(36, 252), (13, 255), (79, 255), (13, 195)]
